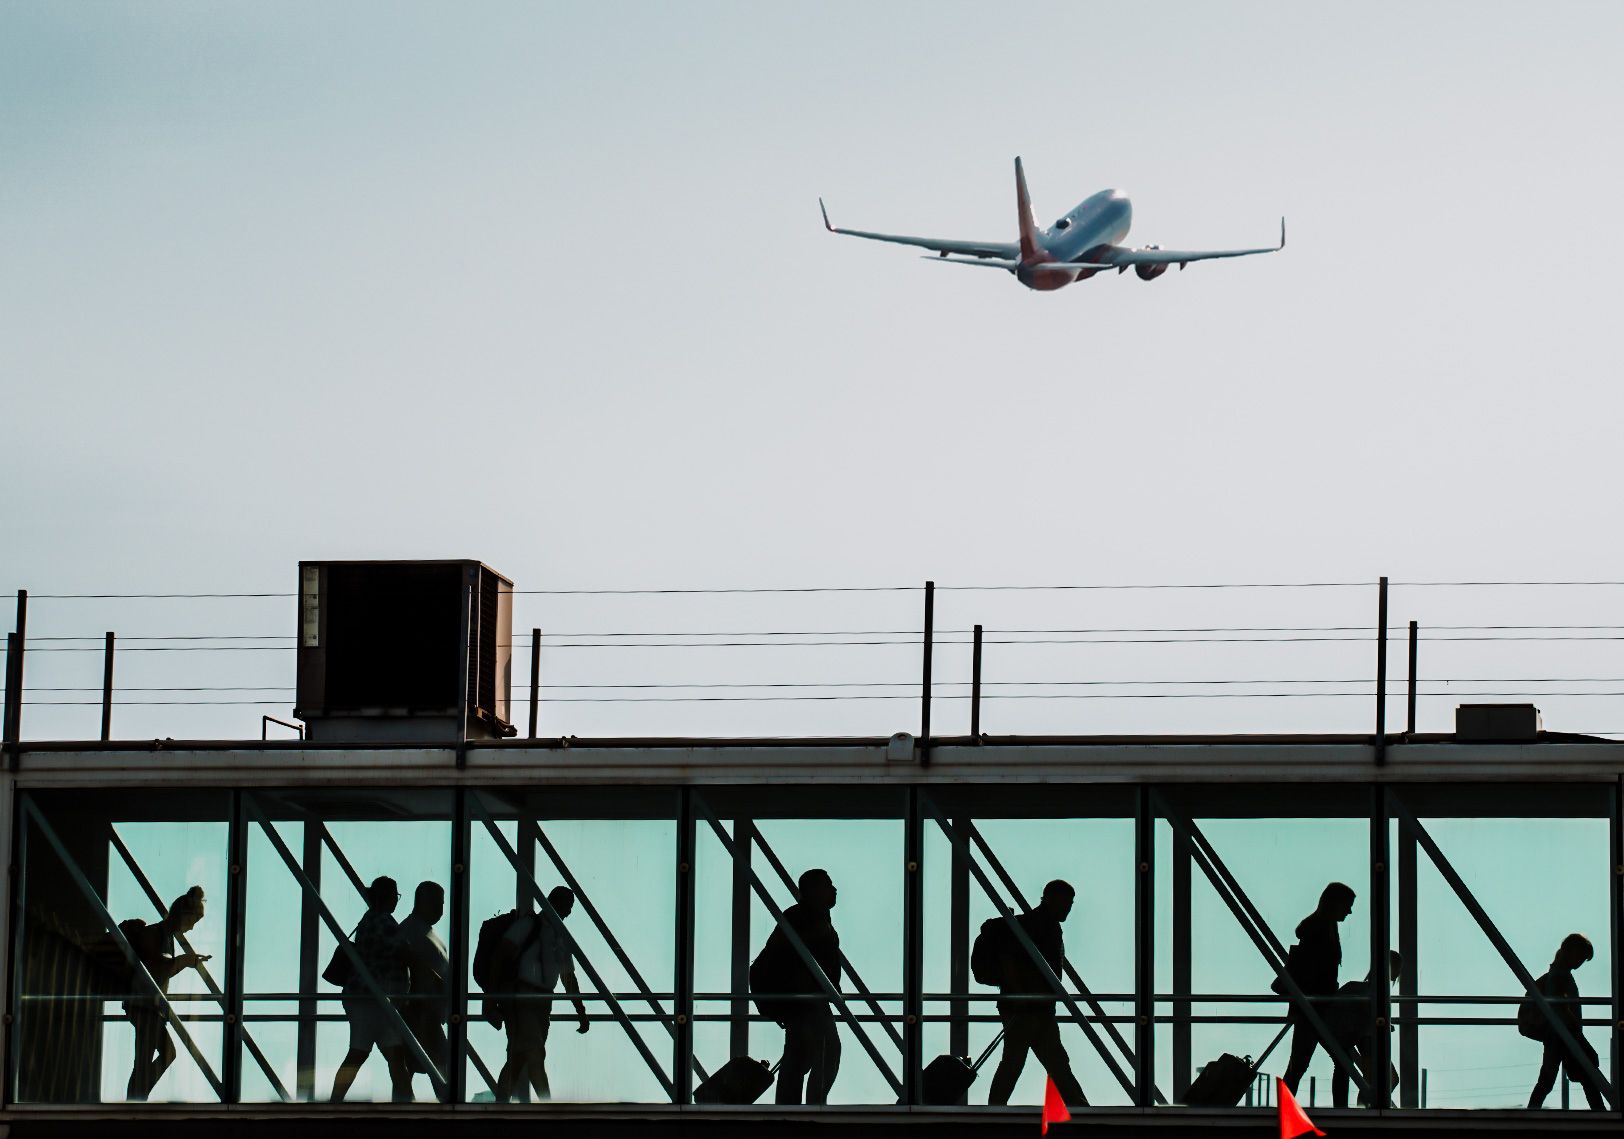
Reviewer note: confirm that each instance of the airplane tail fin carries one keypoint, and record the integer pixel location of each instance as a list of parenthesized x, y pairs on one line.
[(1023, 209)]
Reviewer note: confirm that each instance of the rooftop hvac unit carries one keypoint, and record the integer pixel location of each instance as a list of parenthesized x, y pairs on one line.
[(1497, 722), (405, 651)]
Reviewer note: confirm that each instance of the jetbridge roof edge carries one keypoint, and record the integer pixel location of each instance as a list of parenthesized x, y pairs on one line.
[(1283, 759)]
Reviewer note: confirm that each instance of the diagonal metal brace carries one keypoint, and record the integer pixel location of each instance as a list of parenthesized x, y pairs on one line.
[(138, 968), (539, 896), (1251, 921), (829, 989), (845, 963), (1507, 954), (415, 1046), (1094, 1006), (1050, 978), (208, 978), (609, 938)]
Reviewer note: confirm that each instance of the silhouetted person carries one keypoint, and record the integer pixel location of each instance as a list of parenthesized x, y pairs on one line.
[(1558, 984), (811, 1040), (1352, 1022), (154, 945), (1030, 1025), (378, 943), (1313, 963), (429, 964), (536, 953)]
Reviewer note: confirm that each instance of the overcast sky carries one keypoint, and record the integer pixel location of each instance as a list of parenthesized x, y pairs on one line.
[(545, 285)]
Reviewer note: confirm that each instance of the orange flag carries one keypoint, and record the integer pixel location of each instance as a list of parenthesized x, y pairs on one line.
[(1293, 1120), (1054, 1108)]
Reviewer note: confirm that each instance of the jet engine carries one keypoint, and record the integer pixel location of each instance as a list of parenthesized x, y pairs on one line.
[(1150, 272)]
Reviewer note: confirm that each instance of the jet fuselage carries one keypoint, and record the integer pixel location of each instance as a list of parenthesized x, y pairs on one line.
[(1096, 223)]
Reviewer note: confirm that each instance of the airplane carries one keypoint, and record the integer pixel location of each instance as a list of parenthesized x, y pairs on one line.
[(1074, 248)]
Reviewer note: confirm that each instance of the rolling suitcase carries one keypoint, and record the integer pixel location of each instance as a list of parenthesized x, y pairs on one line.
[(947, 1078), (1223, 1082), (739, 1081)]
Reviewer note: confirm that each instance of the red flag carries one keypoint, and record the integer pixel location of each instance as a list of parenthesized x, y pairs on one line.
[(1293, 1120), (1054, 1108)]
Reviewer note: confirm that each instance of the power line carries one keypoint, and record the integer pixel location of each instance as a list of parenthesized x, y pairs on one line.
[(750, 699), (721, 590)]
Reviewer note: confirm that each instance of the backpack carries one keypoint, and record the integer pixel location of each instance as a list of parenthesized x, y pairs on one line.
[(987, 952), (769, 974), (486, 975), (1531, 1021)]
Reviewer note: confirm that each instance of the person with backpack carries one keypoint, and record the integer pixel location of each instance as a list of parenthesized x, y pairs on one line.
[(531, 958), (1313, 963), (154, 947), (382, 951), (1558, 985), (1027, 1004), (1352, 1021), (779, 975)]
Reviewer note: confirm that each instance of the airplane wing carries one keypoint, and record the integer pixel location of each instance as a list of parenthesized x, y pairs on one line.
[(1122, 258), (1008, 250)]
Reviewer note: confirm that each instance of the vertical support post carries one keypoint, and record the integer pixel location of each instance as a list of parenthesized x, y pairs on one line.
[(16, 644), (1415, 637), (913, 964), (524, 843), (535, 679), (1144, 987), (683, 1038), (1378, 1071), (1381, 673), (739, 947), (8, 736), (1617, 896), (1183, 974), (14, 824), (924, 691), (236, 923), (107, 688), (1409, 939), (456, 1083), (1425, 1072), (975, 687), (958, 967), (309, 964)]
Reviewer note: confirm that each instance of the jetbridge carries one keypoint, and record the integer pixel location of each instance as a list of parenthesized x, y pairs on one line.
[(1193, 860)]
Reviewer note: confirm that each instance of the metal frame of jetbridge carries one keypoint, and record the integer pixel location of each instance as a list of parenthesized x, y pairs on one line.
[(1176, 782)]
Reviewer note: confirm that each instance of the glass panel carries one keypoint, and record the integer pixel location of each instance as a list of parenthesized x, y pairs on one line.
[(856, 837), (1083, 837), (314, 858), (606, 860), (90, 1026), (1536, 860), (1288, 849)]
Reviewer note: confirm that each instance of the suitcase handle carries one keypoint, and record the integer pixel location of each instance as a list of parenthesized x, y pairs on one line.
[(996, 1040), (1281, 1035)]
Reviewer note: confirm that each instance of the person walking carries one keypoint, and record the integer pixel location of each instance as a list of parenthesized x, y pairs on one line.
[(154, 946), (373, 1021), (429, 965), (535, 953), (1313, 963), (1559, 985), (788, 991), (1028, 997)]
